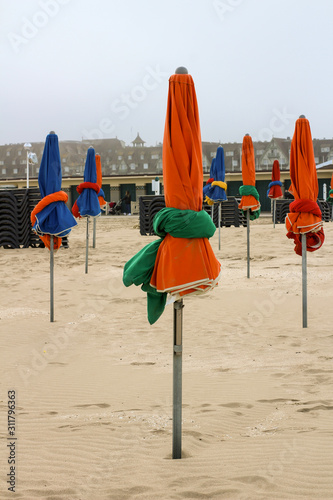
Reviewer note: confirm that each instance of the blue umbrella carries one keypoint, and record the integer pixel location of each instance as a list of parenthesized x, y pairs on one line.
[(87, 204), (215, 189), (55, 218), (51, 219)]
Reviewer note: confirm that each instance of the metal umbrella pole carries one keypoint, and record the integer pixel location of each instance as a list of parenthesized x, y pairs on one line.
[(219, 226), (274, 212), (304, 283), (51, 278), (177, 378), (248, 241), (94, 232), (87, 245), (212, 213)]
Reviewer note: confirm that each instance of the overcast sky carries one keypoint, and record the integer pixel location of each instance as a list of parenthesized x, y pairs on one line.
[(100, 68)]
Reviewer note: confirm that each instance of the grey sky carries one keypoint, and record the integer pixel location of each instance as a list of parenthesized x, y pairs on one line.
[(100, 68)]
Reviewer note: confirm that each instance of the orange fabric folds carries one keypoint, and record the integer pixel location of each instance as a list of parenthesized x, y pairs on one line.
[(248, 202), (102, 202), (183, 265), (304, 181)]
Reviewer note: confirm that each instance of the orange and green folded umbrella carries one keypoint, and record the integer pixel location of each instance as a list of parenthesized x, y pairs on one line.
[(183, 262), (305, 215), (250, 196)]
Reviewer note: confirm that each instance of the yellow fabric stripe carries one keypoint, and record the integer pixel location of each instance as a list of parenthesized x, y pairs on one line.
[(209, 201), (221, 184)]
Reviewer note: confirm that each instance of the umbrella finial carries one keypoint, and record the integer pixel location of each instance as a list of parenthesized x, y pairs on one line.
[(181, 71), (52, 132), (247, 135), (302, 116)]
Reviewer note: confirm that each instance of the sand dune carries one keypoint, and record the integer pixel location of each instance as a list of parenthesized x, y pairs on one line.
[(94, 388)]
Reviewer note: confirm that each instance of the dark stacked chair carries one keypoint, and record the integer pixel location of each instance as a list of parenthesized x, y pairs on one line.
[(15, 227), (282, 209), (230, 213), (145, 212), (9, 237), (34, 198), (149, 205), (325, 210)]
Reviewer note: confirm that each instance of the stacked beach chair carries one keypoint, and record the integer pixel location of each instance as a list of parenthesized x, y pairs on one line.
[(149, 205), (9, 226), (15, 227), (230, 213)]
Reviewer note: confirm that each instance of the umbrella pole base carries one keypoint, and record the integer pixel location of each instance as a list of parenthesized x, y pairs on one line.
[(304, 284), (177, 379), (248, 241), (87, 246), (220, 208), (94, 232), (51, 278)]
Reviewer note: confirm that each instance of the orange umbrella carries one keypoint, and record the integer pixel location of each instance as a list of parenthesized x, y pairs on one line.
[(305, 215), (183, 265), (183, 262), (304, 222), (275, 191), (274, 188), (102, 202), (291, 189), (250, 197)]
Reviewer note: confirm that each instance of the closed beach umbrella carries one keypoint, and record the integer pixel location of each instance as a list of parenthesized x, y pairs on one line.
[(87, 204), (183, 262), (215, 189), (304, 222), (51, 219), (102, 202), (99, 181), (249, 204), (184, 265), (274, 188)]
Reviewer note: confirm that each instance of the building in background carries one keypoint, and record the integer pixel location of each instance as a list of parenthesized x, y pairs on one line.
[(133, 167)]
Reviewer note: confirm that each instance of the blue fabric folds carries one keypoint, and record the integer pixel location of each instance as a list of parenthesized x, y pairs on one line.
[(55, 219), (273, 183), (88, 202), (217, 171)]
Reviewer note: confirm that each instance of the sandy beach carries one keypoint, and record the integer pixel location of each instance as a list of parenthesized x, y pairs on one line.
[(93, 390)]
